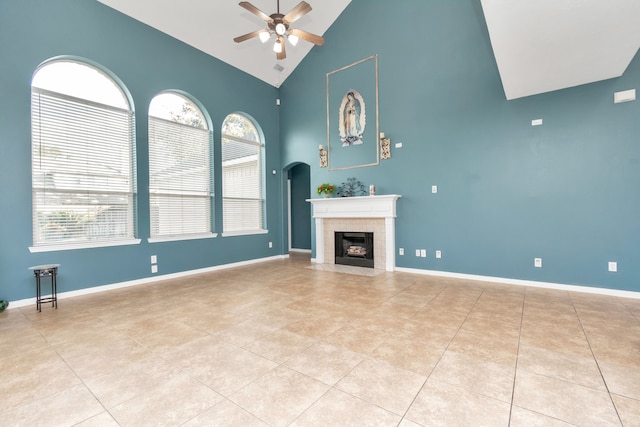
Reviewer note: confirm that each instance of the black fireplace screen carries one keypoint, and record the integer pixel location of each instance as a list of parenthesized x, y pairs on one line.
[(354, 249)]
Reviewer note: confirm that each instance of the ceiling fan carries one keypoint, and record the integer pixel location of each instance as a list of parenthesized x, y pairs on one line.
[(280, 25)]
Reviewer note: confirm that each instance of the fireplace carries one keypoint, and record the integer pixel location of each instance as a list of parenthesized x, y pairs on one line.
[(364, 214), (354, 248)]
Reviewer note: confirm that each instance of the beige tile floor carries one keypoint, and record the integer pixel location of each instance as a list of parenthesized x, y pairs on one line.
[(280, 344)]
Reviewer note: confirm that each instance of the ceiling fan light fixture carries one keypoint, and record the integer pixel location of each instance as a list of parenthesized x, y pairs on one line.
[(278, 24), (264, 36), (277, 46)]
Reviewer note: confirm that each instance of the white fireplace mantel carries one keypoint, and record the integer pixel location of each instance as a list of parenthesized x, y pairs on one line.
[(365, 207)]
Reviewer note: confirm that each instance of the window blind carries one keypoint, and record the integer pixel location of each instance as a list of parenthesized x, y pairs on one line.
[(243, 205), (180, 178), (83, 177)]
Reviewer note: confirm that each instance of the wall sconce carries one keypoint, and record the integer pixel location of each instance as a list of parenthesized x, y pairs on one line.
[(323, 157), (385, 147)]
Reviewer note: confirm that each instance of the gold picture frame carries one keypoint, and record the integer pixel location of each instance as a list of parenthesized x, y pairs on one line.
[(352, 125)]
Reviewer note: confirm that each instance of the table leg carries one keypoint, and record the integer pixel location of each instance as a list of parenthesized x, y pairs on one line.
[(38, 293), (54, 290)]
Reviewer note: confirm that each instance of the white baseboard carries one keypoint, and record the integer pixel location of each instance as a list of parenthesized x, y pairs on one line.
[(519, 282), (302, 251), (104, 288)]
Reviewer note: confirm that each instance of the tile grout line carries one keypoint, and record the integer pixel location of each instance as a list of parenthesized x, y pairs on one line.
[(443, 351), (66, 363), (515, 369), (343, 291), (615, 408)]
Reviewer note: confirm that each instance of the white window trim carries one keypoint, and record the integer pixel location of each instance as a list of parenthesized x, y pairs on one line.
[(244, 233), (180, 237), (83, 245)]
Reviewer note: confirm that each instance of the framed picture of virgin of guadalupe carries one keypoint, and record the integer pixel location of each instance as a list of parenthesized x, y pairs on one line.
[(352, 115)]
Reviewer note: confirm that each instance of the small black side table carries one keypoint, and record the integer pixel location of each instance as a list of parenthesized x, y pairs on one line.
[(47, 270)]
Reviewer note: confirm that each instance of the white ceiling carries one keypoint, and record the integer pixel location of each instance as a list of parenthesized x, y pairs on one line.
[(211, 25), (539, 45), (546, 45)]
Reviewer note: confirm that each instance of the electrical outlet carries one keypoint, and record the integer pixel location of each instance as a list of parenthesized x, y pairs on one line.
[(537, 262), (270, 244), (423, 253), (417, 252), (154, 259), (154, 268), (438, 254), (613, 266), (401, 251), (434, 189)]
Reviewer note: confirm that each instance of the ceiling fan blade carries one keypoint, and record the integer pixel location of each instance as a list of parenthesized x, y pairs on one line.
[(317, 40), (247, 36), (251, 8), (283, 53), (297, 12)]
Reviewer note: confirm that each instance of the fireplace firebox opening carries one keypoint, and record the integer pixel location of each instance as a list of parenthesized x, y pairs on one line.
[(354, 248)]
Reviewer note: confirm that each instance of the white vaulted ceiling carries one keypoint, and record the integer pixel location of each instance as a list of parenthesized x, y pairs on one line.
[(546, 45), (539, 45), (211, 25)]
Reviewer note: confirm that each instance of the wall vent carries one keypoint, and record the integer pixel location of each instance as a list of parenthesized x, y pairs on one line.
[(624, 96)]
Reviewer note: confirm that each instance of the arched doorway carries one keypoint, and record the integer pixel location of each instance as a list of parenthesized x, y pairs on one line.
[(299, 224)]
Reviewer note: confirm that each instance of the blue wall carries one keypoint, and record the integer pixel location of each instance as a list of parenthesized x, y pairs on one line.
[(508, 192), (147, 62)]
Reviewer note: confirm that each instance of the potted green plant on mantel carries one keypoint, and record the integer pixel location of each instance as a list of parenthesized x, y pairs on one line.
[(326, 190)]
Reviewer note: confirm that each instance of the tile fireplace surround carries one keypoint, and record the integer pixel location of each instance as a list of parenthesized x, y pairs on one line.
[(373, 214)]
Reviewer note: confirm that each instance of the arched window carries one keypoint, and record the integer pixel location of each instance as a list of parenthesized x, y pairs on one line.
[(83, 180), (242, 176), (180, 178)]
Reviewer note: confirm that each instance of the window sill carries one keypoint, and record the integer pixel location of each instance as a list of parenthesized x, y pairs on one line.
[(244, 233), (84, 245), (181, 237)]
